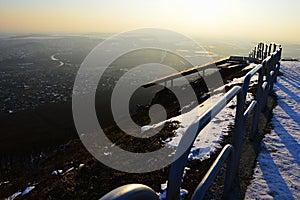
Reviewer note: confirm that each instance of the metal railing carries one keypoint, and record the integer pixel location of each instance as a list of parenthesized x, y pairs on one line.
[(267, 76), (267, 73), (131, 191), (212, 172), (261, 51)]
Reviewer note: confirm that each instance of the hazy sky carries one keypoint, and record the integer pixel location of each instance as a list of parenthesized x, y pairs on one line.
[(256, 19)]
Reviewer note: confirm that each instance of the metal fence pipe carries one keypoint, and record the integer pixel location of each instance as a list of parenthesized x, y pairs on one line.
[(278, 64), (259, 95), (238, 133), (212, 172), (265, 86), (186, 143), (269, 52), (131, 192), (248, 111)]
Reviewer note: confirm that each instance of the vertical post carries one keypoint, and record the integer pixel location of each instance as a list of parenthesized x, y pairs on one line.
[(273, 71), (265, 93), (278, 63), (262, 50), (274, 49), (259, 96), (258, 51), (270, 49), (230, 175), (238, 135), (266, 84), (266, 52), (270, 67), (276, 68)]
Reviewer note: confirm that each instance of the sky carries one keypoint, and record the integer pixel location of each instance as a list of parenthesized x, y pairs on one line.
[(275, 20)]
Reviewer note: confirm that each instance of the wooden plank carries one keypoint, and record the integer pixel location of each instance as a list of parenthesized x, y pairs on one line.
[(232, 60)]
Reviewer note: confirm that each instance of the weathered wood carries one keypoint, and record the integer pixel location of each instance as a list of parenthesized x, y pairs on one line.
[(232, 60)]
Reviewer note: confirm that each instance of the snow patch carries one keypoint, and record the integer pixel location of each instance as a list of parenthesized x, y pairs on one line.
[(4, 183), (57, 172), (27, 190), (15, 195), (146, 128)]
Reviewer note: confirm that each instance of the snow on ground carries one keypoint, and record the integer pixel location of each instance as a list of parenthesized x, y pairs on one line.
[(13, 196), (27, 190), (4, 183), (210, 138), (17, 194), (163, 196), (277, 174), (208, 141)]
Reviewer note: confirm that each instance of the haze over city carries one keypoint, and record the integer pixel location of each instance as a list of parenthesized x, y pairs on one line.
[(253, 20)]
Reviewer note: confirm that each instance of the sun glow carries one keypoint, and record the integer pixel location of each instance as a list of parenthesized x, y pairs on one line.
[(209, 9), (225, 18)]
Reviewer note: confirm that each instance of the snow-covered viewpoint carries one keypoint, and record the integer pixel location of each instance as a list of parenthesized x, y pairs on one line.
[(277, 173)]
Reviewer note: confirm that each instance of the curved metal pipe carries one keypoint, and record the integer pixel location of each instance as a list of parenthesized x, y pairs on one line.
[(131, 192)]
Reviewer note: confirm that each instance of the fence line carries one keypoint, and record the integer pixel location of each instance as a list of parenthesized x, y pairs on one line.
[(261, 51), (267, 72)]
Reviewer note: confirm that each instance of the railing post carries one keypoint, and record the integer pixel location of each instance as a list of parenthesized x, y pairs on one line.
[(269, 71), (229, 177), (273, 71), (274, 49), (259, 96), (266, 51), (270, 49), (278, 64), (238, 136), (262, 51), (265, 93), (258, 51)]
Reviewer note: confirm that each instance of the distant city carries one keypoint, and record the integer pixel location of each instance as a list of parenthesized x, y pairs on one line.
[(38, 69)]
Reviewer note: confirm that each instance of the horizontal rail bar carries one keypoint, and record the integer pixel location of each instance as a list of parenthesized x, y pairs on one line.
[(248, 77), (249, 110), (212, 172)]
